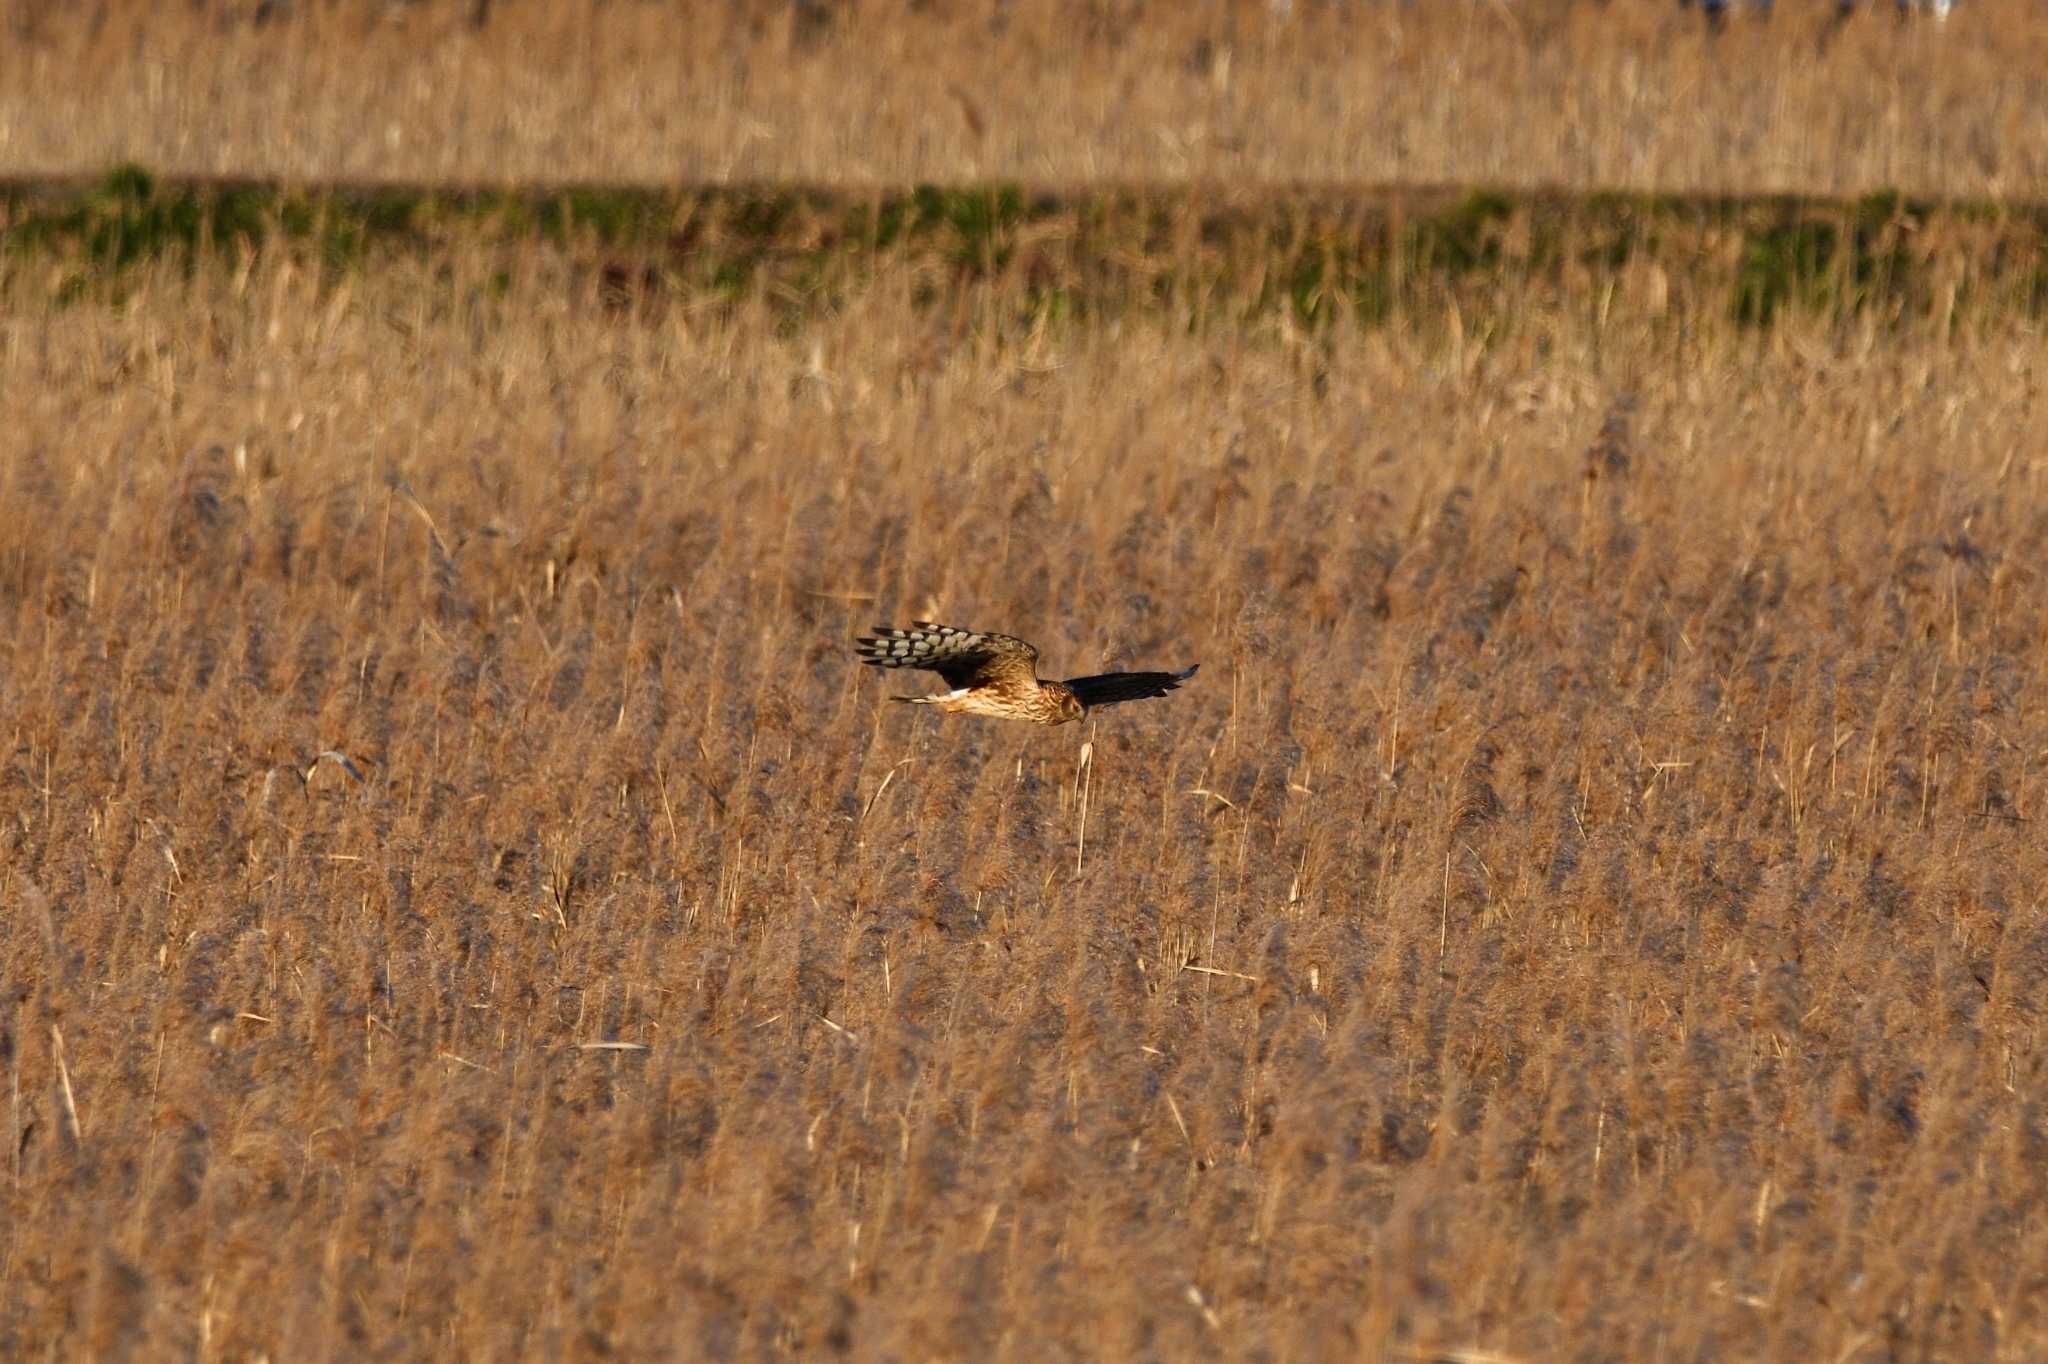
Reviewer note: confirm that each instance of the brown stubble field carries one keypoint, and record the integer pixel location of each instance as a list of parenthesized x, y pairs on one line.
[(1586, 906)]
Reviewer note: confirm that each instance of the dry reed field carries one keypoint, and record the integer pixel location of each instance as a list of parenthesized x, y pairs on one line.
[(463, 898), (1050, 92), (1587, 905)]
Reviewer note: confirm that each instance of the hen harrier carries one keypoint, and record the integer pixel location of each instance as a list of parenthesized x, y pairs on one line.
[(997, 675)]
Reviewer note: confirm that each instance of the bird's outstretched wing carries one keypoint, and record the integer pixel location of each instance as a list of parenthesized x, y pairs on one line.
[(1107, 689), (965, 658)]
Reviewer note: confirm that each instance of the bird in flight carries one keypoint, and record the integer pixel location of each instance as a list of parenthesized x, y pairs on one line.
[(997, 675)]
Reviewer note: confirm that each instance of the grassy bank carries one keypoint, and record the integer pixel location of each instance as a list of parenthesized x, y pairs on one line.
[(1206, 256)]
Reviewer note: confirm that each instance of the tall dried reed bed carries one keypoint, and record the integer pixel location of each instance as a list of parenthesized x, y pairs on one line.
[(889, 92), (1587, 905)]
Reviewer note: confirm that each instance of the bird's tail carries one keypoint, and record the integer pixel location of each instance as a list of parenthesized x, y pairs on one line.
[(918, 700)]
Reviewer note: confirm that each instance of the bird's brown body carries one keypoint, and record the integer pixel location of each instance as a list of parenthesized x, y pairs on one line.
[(997, 675), (1041, 703)]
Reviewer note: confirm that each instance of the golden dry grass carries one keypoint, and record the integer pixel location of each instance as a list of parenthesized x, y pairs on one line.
[(1533, 92), (1586, 906), (464, 899)]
